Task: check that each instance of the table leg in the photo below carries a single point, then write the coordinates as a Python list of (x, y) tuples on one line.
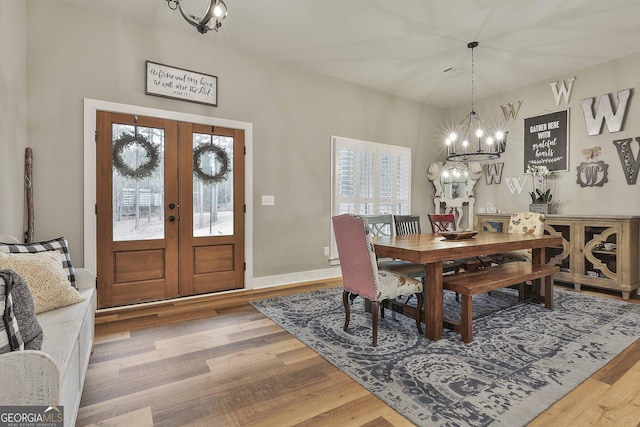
[(537, 260), (433, 301)]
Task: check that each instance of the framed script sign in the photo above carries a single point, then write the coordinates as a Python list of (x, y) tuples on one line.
[(178, 83), (546, 141)]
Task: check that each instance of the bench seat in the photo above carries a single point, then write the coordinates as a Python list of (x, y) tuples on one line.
[(488, 279)]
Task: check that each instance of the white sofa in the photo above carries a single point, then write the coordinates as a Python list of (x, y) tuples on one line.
[(55, 374)]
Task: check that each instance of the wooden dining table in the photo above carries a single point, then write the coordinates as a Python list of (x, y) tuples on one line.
[(431, 249)]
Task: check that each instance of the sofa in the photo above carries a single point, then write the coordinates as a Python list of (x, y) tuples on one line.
[(55, 374)]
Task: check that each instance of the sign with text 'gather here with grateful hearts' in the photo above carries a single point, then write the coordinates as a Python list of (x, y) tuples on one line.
[(178, 83), (546, 141)]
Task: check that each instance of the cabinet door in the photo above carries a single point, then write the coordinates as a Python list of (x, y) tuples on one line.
[(600, 260), (560, 255)]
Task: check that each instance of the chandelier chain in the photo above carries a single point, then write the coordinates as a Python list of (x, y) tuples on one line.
[(473, 86)]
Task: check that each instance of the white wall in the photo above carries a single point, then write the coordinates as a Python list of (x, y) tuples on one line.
[(616, 196), (75, 53), (13, 113)]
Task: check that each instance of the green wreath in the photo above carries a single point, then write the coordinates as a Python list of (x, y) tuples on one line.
[(147, 168), (223, 158)]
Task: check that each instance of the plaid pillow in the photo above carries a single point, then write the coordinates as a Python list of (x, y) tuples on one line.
[(10, 338), (59, 245)]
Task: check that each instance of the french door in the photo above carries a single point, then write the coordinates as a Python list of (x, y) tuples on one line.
[(170, 208)]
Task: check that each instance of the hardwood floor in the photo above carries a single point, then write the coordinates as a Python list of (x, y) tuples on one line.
[(216, 361)]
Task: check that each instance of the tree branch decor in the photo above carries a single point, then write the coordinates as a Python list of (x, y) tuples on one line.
[(222, 158), (146, 169)]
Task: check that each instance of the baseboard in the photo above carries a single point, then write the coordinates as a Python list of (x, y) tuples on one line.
[(298, 277)]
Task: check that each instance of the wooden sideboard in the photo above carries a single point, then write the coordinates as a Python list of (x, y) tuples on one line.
[(583, 258)]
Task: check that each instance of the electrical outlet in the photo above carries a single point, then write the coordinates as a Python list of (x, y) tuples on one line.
[(326, 251)]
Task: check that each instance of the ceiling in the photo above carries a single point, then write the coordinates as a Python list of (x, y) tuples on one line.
[(404, 46)]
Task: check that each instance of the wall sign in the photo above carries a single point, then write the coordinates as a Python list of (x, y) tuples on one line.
[(593, 172), (178, 83), (546, 141)]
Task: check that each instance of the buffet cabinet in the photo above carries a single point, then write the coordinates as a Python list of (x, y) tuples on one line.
[(596, 251)]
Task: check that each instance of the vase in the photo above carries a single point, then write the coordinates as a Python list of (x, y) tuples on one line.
[(542, 208)]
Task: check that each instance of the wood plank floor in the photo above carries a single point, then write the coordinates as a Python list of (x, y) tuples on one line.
[(216, 361)]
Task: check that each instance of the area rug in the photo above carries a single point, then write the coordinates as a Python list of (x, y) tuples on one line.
[(522, 359)]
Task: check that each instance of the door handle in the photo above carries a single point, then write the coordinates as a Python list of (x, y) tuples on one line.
[(172, 205), (172, 218)]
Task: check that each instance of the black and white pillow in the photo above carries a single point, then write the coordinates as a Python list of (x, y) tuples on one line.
[(21, 328), (59, 245), (10, 338)]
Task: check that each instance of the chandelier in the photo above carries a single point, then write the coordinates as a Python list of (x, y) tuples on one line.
[(214, 13), (470, 140)]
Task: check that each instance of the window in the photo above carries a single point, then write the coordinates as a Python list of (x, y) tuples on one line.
[(369, 178)]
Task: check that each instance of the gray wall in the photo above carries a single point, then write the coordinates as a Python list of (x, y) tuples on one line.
[(616, 196), (13, 115), (75, 53)]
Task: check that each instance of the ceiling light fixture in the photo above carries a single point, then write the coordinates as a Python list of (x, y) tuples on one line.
[(486, 146), (214, 13)]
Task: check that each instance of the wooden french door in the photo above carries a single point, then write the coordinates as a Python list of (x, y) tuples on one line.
[(170, 209)]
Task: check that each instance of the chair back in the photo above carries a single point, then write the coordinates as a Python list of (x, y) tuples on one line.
[(527, 223), (442, 222), (407, 224), (380, 225), (357, 255)]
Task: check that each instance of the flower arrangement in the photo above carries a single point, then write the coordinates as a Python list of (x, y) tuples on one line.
[(540, 194)]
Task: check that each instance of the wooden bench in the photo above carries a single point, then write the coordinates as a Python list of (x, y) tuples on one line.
[(488, 279)]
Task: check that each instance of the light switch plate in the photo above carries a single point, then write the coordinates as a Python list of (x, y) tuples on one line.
[(268, 200)]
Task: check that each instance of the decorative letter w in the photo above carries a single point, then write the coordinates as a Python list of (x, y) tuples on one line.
[(605, 112), (563, 91), (493, 172), (510, 111)]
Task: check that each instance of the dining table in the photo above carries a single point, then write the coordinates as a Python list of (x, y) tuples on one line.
[(432, 249)]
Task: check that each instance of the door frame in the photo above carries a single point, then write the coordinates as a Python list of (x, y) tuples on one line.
[(89, 192)]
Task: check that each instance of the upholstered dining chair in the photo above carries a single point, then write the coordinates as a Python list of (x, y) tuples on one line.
[(521, 223), (360, 273)]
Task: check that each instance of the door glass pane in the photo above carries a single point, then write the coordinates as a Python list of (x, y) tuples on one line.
[(138, 183), (212, 185)]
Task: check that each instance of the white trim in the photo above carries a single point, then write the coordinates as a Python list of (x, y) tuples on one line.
[(90, 227), (298, 277)]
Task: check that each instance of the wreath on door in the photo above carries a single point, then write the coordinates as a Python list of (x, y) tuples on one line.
[(145, 169), (221, 156)]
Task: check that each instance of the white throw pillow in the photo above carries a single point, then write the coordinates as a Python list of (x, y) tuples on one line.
[(45, 277)]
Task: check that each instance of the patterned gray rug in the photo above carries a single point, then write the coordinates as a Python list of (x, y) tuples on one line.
[(522, 359)]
